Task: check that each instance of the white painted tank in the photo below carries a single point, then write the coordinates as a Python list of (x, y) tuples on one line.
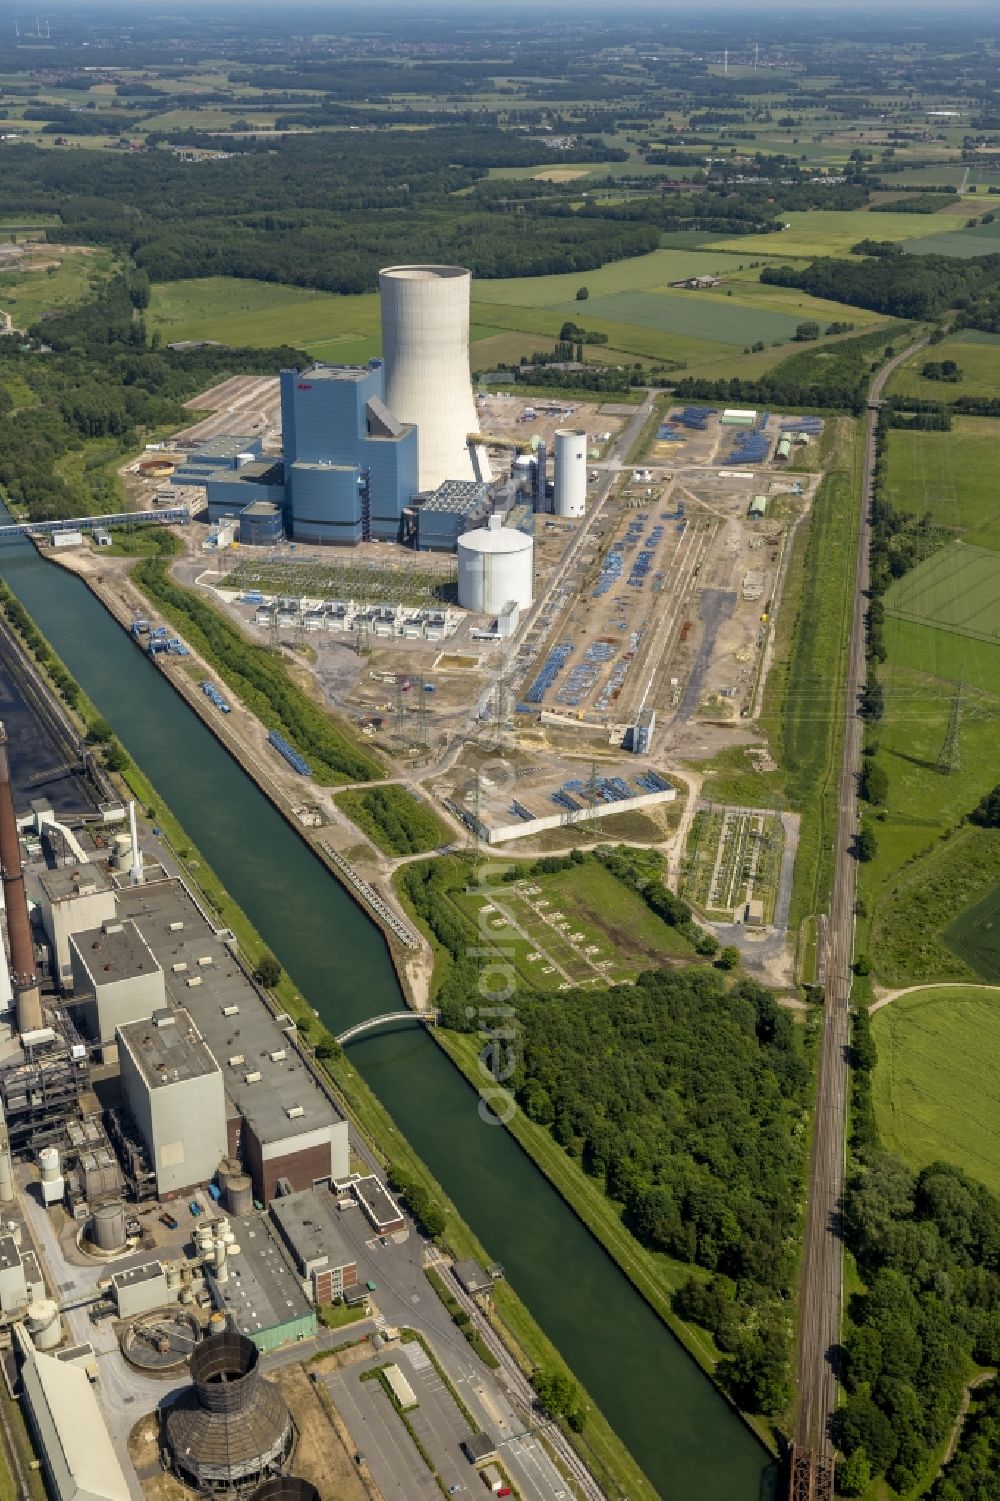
[(570, 471), (48, 1162), (496, 564), (52, 1184), (14, 1231), (44, 1324), (425, 349), (173, 1278)]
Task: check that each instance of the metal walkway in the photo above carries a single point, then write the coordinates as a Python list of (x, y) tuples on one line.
[(174, 515), (371, 898), (427, 1018)]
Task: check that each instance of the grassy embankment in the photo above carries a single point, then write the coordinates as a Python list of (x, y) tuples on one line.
[(599, 1445), (394, 821), (802, 714), (257, 675), (930, 869)]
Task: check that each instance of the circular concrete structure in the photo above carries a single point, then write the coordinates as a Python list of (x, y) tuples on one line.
[(232, 1428), (495, 565), (425, 352), (286, 1488), (570, 471)]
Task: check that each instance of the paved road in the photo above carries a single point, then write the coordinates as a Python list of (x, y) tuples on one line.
[(822, 1283)]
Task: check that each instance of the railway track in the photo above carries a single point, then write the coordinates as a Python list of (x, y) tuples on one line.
[(822, 1282)]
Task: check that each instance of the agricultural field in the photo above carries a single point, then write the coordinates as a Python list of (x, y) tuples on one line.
[(949, 476), (955, 589), (977, 355), (936, 1088), (630, 303), (975, 936), (984, 239), (574, 927), (831, 232), (733, 856)]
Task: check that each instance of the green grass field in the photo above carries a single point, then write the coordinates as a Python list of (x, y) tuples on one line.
[(583, 927), (936, 1088), (956, 589), (828, 232), (950, 476), (975, 936), (26, 294), (978, 356), (984, 239), (723, 320)]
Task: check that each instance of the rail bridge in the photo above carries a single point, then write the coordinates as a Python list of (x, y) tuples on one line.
[(811, 1475), (426, 1018)]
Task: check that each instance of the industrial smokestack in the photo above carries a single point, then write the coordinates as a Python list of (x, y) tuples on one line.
[(425, 347), (135, 874), (27, 996)]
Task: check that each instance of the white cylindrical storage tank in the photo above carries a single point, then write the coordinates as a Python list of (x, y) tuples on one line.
[(425, 350), (44, 1324), (570, 471), (51, 1171), (173, 1278), (495, 565), (14, 1231), (108, 1226)]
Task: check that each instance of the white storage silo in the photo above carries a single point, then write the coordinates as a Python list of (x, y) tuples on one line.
[(425, 349), (495, 565), (570, 471), (44, 1324), (52, 1180)]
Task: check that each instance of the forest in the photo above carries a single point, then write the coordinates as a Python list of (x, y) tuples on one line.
[(101, 378), (927, 1246), (684, 1095), (904, 286)]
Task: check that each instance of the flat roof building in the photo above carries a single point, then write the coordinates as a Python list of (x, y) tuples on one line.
[(261, 1293), (72, 899), (281, 1124), (114, 966), (77, 1454), (308, 1223), (139, 1289), (173, 1089)]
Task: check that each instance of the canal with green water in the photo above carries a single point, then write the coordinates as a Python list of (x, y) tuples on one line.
[(680, 1430)]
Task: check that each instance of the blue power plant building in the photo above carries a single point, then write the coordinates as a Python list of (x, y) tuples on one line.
[(350, 466)]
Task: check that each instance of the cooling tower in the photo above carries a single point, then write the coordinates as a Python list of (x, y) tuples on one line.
[(425, 349)]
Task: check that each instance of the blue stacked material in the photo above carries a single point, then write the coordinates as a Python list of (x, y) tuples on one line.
[(576, 785), (653, 782), (521, 812), (762, 421), (551, 667), (610, 573), (290, 754), (565, 801), (641, 568), (585, 674), (694, 417), (214, 696), (748, 448), (811, 425)]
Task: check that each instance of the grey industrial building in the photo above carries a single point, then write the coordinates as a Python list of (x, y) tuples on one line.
[(173, 1089), (117, 979), (72, 899), (456, 506), (139, 1289), (308, 1224), (280, 1123), (77, 1454), (260, 1290)]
